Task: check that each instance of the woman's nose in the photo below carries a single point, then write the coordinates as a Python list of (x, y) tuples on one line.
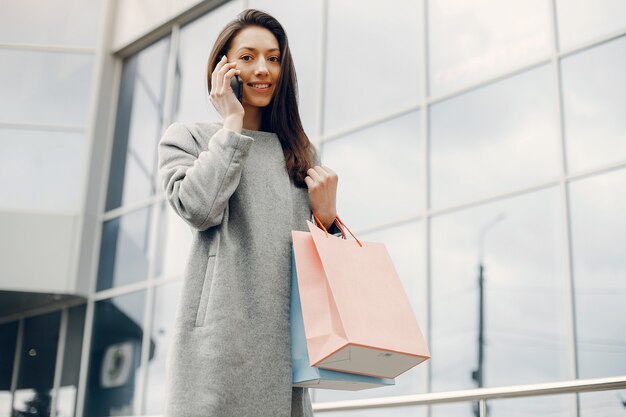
[(261, 68)]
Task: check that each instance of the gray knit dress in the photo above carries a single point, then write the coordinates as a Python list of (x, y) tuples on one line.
[(230, 353)]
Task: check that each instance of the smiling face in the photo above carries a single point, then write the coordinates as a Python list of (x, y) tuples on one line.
[(257, 54)]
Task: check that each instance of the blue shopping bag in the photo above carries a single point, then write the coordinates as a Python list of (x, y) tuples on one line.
[(304, 375)]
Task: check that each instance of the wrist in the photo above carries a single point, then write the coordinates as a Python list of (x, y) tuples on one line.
[(234, 123)]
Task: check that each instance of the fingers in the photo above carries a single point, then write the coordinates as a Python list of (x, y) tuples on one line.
[(320, 175), (218, 78), (218, 67)]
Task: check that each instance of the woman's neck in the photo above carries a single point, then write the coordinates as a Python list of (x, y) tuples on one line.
[(252, 117)]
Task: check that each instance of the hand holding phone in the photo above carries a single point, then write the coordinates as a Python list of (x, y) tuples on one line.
[(224, 78)]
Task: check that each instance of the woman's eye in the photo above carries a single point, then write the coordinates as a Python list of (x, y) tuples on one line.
[(275, 59), (243, 58)]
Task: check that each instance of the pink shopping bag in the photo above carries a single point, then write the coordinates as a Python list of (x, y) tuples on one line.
[(357, 316)]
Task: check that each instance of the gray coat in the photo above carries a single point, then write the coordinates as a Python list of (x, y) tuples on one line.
[(230, 353)]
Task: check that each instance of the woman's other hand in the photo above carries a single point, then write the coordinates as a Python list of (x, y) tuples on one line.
[(223, 97), (322, 184)]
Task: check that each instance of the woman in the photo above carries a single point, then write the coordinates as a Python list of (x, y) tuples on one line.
[(242, 185)]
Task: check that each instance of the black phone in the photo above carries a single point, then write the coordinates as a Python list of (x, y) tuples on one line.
[(236, 83)]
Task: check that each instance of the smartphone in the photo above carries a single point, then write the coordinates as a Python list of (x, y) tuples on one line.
[(236, 83)]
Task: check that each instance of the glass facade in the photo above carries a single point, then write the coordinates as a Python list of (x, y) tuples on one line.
[(482, 142)]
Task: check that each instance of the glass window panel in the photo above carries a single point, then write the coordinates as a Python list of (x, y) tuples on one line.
[(66, 399), (470, 41), (196, 42), (114, 363), (373, 61), (405, 245), (33, 395), (33, 85), (124, 249), (62, 22), (133, 173), (597, 208), (525, 299), (301, 19), (41, 170), (165, 303), (497, 138), (594, 102), (174, 243), (605, 404), (8, 340), (545, 406), (585, 20), (370, 177)]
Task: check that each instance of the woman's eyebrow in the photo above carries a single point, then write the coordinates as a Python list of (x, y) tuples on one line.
[(255, 50)]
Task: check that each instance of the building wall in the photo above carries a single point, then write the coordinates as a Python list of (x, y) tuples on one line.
[(466, 134)]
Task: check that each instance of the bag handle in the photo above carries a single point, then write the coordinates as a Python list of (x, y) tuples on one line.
[(339, 224)]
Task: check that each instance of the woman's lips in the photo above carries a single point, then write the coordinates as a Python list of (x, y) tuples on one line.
[(261, 90)]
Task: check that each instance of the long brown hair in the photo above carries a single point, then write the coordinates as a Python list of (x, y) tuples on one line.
[(281, 116)]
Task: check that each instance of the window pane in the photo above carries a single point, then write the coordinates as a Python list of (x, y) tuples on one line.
[(370, 177), (62, 22), (606, 404), (165, 302), (174, 243), (66, 400), (8, 340), (41, 170), (373, 62), (585, 20), (594, 102), (124, 249), (470, 41), (301, 19), (38, 359), (495, 139), (598, 205), (405, 246), (196, 42), (133, 173), (115, 356), (544, 406), (525, 308), (34, 83)]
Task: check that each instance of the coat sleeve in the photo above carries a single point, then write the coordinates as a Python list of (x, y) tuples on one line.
[(198, 183)]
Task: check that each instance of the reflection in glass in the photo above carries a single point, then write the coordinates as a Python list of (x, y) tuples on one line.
[(115, 356), (373, 61), (173, 243), (370, 176), (34, 83), (594, 102), (41, 170), (66, 399), (301, 19), (605, 403), (62, 22), (124, 249), (165, 302), (580, 21), (196, 42), (33, 395), (470, 41), (523, 259), (405, 246), (8, 341), (598, 205), (495, 139), (133, 172)]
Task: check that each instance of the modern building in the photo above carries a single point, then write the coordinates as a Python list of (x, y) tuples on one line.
[(475, 138)]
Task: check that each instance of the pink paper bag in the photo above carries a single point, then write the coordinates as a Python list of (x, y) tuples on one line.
[(357, 316)]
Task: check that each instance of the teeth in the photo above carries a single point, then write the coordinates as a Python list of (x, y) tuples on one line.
[(260, 85)]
